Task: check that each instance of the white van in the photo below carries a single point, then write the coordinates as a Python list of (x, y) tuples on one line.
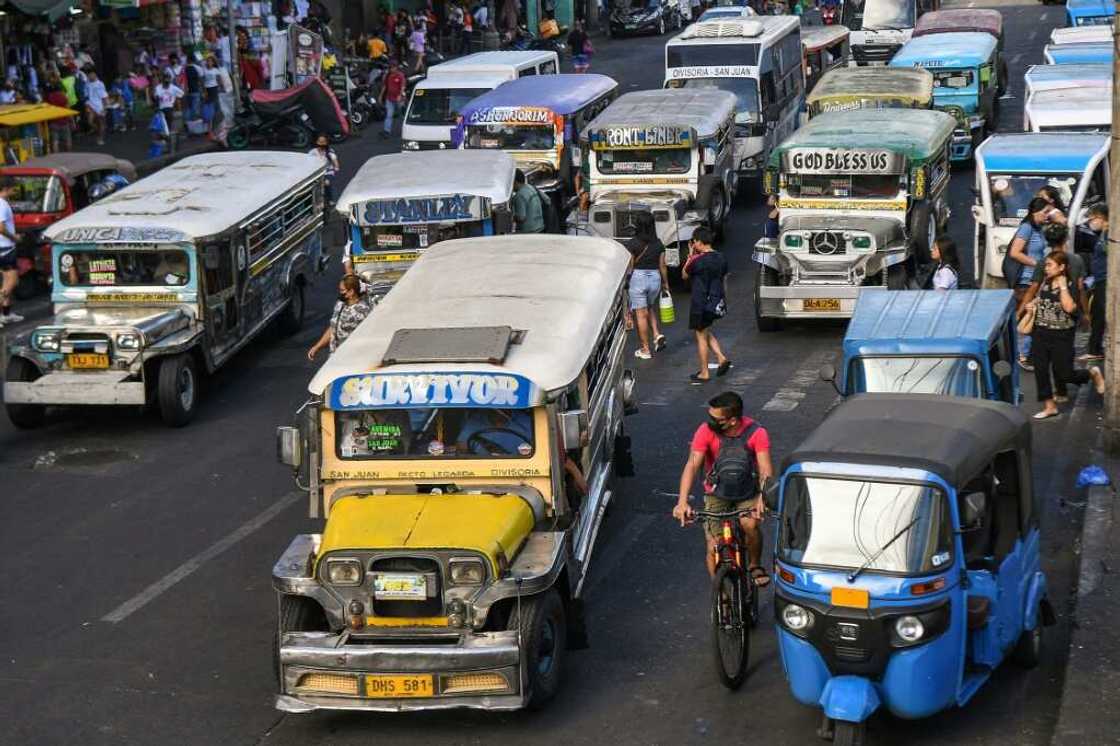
[(437, 99)]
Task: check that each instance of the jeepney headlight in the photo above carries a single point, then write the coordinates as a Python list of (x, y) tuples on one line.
[(861, 242), (909, 628), (344, 572), (46, 341), (797, 618), (128, 341), (466, 572), (411, 145), (793, 240)]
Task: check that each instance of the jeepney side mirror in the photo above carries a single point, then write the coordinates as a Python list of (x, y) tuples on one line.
[(828, 373), (979, 215), (1001, 369), (289, 446), (573, 426), (973, 508)]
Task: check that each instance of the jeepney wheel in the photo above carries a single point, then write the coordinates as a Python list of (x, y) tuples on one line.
[(24, 416), (291, 318), (767, 276), (923, 231), (848, 733), (543, 637), (295, 614), (1028, 650), (177, 390), (717, 212)]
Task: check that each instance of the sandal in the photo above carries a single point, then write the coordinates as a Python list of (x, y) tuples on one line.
[(1044, 415), (659, 343), (759, 576), (723, 368), (696, 380)]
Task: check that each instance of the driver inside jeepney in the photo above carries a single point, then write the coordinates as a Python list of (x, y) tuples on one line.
[(109, 265), (452, 432)]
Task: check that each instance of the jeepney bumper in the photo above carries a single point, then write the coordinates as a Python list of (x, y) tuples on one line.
[(808, 301), (112, 387), (324, 671), (960, 147)]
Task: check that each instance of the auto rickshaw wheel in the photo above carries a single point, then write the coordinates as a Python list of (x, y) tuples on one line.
[(24, 416), (295, 614), (177, 389), (541, 621), (847, 733), (1028, 650)]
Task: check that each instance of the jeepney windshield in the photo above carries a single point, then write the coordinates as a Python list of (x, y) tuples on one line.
[(953, 79), (1011, 193), (745, 90), (879, 14), (440, 105), (432, 432), (416, 236), (644, 161), (846, 186), (107, 265), (950, 376), (843, 523), (36, 194), (711, 55), (511, 137)]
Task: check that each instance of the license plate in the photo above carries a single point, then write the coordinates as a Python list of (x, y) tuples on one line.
[(821, 304), (853, 598), (386, 687), (400, 587), (87, 360)]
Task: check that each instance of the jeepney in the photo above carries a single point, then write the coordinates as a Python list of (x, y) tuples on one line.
[(400, 204), (1090, 13), (168, 278), (1088, 76), (538, 121), (1084, 109), (1012, 167), (851, 88), (862, 197), (981, 20), (668, 152), (439, 443), (759, 60), (823, 48), (1078, 53), (1076, 34), (965, 69)]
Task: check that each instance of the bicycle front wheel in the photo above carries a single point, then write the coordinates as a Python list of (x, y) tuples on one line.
[(730, 634)]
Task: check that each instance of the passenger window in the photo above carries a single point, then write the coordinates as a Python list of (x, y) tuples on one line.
[(548, 68), (218, 264), (998, 352), (526, 72)]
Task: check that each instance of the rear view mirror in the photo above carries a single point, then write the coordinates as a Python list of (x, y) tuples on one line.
[(289, 446), (979, 215), (1001, 369), (973, 508), (827, 373), (573, 428)]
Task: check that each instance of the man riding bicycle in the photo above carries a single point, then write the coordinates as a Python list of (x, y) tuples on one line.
[(734, 452)]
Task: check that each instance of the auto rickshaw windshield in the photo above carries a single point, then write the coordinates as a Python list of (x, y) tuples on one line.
[(37, 194), (431, 432), (1011, 193), (950, 376), (844, 523)]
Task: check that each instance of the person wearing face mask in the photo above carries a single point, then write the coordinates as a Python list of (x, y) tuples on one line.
[(1098, 271), (351, 309), (737, 437), (1026, 251), (325, 153)]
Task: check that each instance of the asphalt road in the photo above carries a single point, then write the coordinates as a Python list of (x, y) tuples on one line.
[(137, 606)]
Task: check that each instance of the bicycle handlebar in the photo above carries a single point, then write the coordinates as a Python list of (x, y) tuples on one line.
[(729, 514)]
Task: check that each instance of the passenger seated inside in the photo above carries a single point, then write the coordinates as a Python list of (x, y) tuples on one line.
[(495, 432)]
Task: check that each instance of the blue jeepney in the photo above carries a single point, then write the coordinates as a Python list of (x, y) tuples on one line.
[(965, 68), (537, 120), (1012, 167), (1078, 53), (931, 342), (1089, 12)]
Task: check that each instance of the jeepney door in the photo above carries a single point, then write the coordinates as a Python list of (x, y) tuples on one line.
[(223, 314)]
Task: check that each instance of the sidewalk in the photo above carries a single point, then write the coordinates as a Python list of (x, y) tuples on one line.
[(1090, 707)]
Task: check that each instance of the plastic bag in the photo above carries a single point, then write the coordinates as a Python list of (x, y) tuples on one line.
[(1093, 476)]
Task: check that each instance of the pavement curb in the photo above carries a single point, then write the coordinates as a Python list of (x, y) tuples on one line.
[(1091, 691)]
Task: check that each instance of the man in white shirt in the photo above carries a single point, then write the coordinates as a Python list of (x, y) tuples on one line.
[(167, 98), (9, 275), (96, 98)]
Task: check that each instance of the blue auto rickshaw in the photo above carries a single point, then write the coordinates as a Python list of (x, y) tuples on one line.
[(1089, 12), (907, 558), (1079, 53), (959, 343)]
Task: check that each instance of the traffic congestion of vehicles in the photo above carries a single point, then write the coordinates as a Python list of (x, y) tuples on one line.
[(458, 457)]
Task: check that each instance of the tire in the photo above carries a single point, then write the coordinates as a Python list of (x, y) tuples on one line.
[(177, 390), (24, 416), (1028, 650), (848, 733), (766, 324), (291, 318), (896, 277), (923, 230), (541, 621), (295, 614), (357, 118), (717, 212), (295, 136), (731, 637), (238, 138)]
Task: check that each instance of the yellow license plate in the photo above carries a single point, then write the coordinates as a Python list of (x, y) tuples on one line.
[(393, 687), (821, 304), (853, 598), (87, 360)]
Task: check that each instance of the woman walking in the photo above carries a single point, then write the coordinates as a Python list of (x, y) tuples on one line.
[(649, 275), (708, 270), (1054, 323)]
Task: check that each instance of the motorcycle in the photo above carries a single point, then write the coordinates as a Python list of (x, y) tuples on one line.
[(523, 40), (291, 127)]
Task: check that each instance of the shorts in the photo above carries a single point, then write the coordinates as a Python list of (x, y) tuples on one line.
[(8, 261), (719, 505), (700, 320), (645, 287)]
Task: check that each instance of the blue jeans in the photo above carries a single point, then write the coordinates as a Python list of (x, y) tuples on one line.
[(194, 106), (390, 109), (1024, 339)]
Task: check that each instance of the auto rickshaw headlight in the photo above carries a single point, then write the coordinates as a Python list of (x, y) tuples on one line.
[(344, 572), (909, 628), (797, 618), (466, 572)]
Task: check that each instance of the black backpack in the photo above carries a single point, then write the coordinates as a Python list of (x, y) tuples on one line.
[(734, 473)]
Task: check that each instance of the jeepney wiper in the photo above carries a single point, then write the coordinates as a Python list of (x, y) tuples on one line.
[(871, 560)]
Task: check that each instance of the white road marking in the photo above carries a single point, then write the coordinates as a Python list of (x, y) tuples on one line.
[(1031, 36), (184, 570), (787, 398), (1015, 59)]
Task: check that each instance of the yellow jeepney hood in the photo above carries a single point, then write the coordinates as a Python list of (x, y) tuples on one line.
[(491, 524)]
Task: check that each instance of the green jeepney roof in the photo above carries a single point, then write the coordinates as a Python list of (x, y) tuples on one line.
[(916, 134), (850, 88)]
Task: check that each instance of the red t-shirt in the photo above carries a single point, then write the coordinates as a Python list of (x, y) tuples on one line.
[(394, 85), (705, 441)]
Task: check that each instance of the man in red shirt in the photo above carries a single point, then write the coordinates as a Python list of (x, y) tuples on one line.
[(726, 420), (392, 96)]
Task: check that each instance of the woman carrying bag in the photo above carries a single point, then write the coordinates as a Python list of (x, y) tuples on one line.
[(648, 276)]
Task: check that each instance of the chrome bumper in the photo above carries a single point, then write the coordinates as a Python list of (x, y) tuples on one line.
[(72, 387), (303, 653), (788, 301)]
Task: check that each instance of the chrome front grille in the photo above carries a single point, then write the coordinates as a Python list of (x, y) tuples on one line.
[(874, 52), (827, 243)]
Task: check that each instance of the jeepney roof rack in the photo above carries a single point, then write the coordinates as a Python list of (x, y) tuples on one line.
[(470, 344)]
